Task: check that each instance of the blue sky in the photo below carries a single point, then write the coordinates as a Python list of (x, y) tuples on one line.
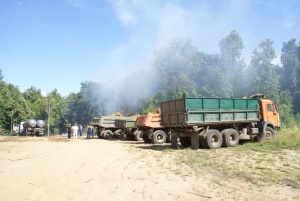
[(60, 43)]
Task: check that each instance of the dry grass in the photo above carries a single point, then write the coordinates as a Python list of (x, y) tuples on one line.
[(270, 162)]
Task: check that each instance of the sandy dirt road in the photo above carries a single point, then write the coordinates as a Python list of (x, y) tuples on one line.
[(56, 168)]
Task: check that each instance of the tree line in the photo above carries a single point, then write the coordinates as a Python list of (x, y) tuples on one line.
[(177, 68)]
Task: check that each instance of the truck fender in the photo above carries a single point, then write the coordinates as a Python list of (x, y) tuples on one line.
[(117, 131), (150, 133), (262, 125)]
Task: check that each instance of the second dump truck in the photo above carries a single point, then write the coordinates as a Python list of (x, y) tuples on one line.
[(106, 127), (215, 122), (152, 130), (129, 129)]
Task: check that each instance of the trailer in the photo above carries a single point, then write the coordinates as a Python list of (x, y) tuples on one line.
[(106, 127), (129, 129), (215, 122), (153, 131)]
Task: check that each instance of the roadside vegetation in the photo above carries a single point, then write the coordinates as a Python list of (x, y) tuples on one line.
[(276, 161)]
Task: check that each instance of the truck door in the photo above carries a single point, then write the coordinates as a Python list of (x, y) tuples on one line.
[(271, 114)]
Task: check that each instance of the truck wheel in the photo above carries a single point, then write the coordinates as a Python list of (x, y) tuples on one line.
[(202, 143), (138, 135), (98, 134), (230, 138), (269, 134), (119, 134), (159, 137), (168, 137), (146, 139), (129, 137), (107, 134), (213, 139), (223, 133), (185, 141)]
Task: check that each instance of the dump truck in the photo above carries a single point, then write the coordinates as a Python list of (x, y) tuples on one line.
[(128, 127), (151, 129), (215, 122), (106, 128), (32, 127)]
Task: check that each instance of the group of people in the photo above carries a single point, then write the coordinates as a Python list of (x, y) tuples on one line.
[(73, 130)]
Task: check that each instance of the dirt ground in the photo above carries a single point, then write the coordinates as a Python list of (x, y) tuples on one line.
[(56, 168)]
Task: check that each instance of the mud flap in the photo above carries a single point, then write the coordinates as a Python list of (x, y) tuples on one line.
[(174, 140), (194, 141), (261, 128)]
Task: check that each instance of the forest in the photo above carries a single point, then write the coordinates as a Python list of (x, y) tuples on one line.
[(177, 68)]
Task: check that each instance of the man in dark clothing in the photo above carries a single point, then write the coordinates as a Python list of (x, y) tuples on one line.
[(89, 132), (69, 131)]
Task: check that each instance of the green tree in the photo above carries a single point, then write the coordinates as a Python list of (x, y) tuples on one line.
[(13, 106), (232, 65), (36, 102), (290, 59), (90, 102), (176, 66), (264, 77), (1, 76), (55, 103), (286, 109), (209, 76)]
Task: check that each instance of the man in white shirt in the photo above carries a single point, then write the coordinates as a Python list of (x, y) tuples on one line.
[(75, 131)]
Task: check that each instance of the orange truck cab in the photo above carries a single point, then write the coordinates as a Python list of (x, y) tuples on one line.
[(269, 116)]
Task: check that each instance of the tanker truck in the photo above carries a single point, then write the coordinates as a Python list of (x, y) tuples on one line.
[(32, 127), (214, 122)]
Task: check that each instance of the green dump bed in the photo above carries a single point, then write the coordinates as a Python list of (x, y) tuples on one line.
[(191, 111), (126, 123), (107, 121)]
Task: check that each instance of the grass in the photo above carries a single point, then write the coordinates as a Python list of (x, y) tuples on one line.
[(276, 161)]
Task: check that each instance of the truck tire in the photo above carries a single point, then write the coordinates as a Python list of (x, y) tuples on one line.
[(138, 135), (119, 134), (107, 134), (213, 139), (168, 137), (129, 137), (223, 133), (203, 143), (230, 138), (98, 134), (146, 139), (185, 141), (268, 134), (159, 137)]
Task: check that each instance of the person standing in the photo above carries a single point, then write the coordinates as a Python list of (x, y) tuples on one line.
[(80, 130), (89, 131), (75, 131), (69, 129)]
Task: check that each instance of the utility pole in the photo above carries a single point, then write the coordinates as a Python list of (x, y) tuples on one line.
[(11, 122), (48, 117)]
